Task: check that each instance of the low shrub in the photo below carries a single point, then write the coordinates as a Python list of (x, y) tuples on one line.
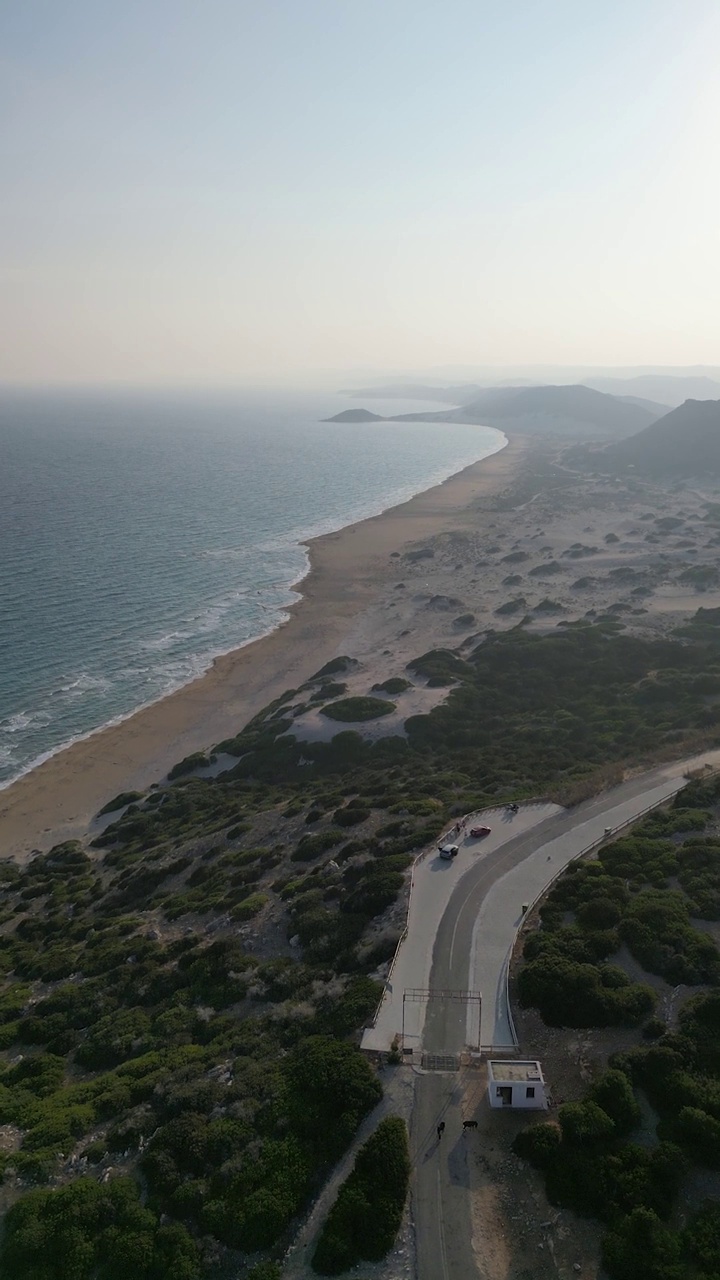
[(350, 817), (569, 994), (701, 1238), (640, 1245), (84, 1230), (354, 710), (511, 607), (538, 1144), (335, 689), (335, 666), (249, 907), (310, 847), (119, 802), (395, 684), (366, 1216), (198, 760)]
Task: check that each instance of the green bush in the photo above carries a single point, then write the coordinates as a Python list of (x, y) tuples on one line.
[(334, 667), (510, 607), (119, 802), (613, 1092), (701, 1239), (654, 1028), (367, 1214), (249, 907), (84, 1230), (538, 1144), (350, 817), (310, 847), (353, 710), (396, 684), (335, 689), (568, 994), (640, 1247), (265, 1271), (440, 667), (699, 1134), (198, 760), (584, 1123)]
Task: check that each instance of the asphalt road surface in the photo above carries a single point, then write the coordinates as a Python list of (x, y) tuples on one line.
[(435, 883), (441, 1183)]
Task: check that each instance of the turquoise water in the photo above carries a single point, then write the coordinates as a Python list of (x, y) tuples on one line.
[(143, 535)]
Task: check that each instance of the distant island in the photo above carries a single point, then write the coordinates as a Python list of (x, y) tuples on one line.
[(355, 415)]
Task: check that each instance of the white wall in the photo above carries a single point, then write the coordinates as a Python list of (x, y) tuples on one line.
[(520, 1100)]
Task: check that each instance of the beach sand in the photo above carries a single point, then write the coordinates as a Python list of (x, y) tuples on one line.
[(349, 572), (516, 537)]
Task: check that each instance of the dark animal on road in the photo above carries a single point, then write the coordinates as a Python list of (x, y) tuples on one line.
[(470, 1124), (440, 1129)]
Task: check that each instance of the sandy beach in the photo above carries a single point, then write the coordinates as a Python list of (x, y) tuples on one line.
[(349, 571), (516, 537)]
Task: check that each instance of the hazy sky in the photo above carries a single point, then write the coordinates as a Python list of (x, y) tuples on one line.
[(215, 190)]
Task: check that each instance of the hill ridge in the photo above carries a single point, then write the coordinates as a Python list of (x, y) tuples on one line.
[(685, 442)]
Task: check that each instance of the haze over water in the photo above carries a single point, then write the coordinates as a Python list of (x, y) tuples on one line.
[(143, 535)]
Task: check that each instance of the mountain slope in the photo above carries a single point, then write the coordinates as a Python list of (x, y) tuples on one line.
[(686, 442), (653, 405), (669, 389), (564, 409)]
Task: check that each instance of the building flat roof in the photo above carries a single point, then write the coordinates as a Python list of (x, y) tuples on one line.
[(511, 1071)]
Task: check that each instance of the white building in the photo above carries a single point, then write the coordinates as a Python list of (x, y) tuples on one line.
[(516, 1084)]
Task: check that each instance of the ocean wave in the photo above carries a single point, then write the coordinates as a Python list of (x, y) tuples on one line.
[(160, 644), (174, 676), (168, 632), (223, 553), (83, 683), (22, 720)]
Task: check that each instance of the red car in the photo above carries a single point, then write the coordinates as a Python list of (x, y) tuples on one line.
[(476, 832)]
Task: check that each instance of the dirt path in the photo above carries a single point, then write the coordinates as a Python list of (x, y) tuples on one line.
[(399, 1086)]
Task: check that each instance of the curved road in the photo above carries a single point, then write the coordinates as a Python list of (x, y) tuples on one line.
[(470, 951)]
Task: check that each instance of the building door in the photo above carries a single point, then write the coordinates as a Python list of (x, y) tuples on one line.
[(505, 1092)]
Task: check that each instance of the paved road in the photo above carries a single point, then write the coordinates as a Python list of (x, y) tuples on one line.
[(471, 946), (435, 882)]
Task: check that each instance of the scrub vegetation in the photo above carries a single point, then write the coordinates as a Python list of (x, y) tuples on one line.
[(180, 1001), (366, 1216), (357, 709), (643, 892)]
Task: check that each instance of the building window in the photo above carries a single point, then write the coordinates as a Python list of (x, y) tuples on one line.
[(530, 1091)]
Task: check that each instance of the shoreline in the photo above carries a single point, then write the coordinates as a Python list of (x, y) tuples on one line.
[(57, 799), (279, 613)]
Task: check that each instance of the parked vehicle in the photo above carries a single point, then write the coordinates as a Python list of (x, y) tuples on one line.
[(448, 851), (477, 832)]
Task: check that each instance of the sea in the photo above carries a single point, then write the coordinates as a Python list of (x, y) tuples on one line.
[(144, 534)]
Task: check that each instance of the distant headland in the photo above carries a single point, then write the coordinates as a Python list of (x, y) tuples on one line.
[(565, 410), (356, 415)]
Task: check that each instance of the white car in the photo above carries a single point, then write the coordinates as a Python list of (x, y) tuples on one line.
[(448, 851)]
